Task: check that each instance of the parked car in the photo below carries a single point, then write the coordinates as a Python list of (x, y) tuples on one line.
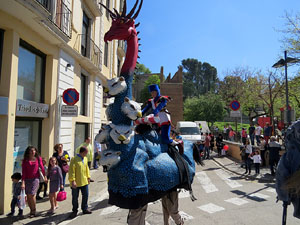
[(188, 130)]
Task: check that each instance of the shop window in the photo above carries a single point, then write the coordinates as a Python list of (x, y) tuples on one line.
[(31, 73), (83, 95), (81, 132), (1, 48), (106, 54), (27, 132)]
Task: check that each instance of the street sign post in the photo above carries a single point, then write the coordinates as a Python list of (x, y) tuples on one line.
[(70, 96), (235, 105), (69, 110)]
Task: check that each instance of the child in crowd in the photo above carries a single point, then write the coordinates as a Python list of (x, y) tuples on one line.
[(45, 184), (16, 179), (257, 161), (56, 182)]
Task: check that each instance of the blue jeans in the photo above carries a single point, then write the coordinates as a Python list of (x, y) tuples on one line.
[(96, 160), (13, 204), (257, 139), (206, 153), (64, 180), (252, 139), (75, 195)]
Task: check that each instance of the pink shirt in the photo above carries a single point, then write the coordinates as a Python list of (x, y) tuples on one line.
[(30, 169)]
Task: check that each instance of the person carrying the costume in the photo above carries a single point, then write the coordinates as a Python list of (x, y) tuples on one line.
[(159, 114)]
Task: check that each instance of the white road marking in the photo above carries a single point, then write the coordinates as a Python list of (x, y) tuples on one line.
[(184, 194), (206, 183), (211, 208), (237, 201), (258, 195), (109, 210), (225, 176), (272, 190), (185, 216)]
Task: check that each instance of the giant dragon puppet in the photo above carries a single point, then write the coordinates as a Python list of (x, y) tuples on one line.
[(141, 168)]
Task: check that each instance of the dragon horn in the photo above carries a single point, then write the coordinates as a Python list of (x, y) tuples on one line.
[(111, 13), (137, 13), (132, 10), (124, 9), (117, 13)]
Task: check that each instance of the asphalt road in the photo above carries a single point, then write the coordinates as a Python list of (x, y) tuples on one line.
[(223, 199)]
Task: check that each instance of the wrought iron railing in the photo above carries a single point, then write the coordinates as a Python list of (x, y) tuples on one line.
[(62, 18), (87, 47)]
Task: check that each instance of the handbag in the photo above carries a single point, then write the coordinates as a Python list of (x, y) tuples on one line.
[(61, 196), (65, 167), (42, 178)]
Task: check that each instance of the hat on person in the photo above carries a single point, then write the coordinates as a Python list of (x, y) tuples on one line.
[(154, 87)]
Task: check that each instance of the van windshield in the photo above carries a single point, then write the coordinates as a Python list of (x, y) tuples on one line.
[(189, 131)]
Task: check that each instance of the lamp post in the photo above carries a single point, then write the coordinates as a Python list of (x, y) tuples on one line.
[(281, 63)]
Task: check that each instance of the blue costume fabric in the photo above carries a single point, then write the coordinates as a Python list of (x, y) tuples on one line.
[(146, 170), (288, 165)]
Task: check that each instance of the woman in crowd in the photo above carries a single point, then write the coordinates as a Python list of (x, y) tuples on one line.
[(62, 158), (31, 176), (248, 154)]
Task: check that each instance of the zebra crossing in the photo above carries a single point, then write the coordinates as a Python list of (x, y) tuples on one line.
[(204, 180)]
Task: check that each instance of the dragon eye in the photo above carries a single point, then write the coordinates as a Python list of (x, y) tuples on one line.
[(117, 132), (114, 84), (127, 132), (131, 106)]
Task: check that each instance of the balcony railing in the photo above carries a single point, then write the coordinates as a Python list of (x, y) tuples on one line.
[(87, 48), (62, 18), (60, 14)]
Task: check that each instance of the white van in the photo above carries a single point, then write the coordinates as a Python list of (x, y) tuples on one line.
[(188, 130)]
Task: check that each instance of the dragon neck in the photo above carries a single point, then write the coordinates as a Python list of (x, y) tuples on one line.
[(131, 56)]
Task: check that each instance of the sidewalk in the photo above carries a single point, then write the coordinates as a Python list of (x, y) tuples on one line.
[(233, 165), (97, 194)]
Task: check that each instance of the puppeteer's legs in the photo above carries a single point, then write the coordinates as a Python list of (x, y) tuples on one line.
[(137, 216), (170, 208)]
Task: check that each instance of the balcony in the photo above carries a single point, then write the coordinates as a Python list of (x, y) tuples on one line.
[(60, 14), (85, 46)]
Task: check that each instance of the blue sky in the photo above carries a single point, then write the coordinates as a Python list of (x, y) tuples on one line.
[(225, 33)]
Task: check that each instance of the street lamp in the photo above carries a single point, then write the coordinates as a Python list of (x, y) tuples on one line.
[(281, 63)]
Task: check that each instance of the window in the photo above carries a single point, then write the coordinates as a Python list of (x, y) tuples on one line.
[(31, 73), (106, 54), (85, 35), (81, 132), (27, 132), (108, 6), (82, 96), (1, 48)]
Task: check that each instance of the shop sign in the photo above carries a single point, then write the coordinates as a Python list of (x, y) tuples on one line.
[(69, 110), (31, 109)]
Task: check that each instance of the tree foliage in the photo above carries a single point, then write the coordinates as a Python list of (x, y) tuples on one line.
[(145, 94), (198, 78), (141, 69), (208, 107)]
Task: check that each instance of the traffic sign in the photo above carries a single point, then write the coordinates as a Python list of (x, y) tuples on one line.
[(69, 110), (235, 114), (235, 105), (70, 96)]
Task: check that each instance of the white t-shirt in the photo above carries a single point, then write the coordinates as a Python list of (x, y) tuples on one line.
[(258, 131), (256, 159), (248, 149)]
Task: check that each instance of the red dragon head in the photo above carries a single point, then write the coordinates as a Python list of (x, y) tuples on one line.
[(123, 26)]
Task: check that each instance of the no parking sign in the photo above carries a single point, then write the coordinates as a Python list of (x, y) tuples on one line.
[(235, 105), (70, 96)]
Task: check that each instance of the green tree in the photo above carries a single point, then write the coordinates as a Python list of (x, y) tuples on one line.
[(208, 107), (141, 69), (291, 39), (145, 94), (198, 78)]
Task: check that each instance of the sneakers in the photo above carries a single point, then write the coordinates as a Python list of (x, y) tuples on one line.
[(87, 211), (73, 215)]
